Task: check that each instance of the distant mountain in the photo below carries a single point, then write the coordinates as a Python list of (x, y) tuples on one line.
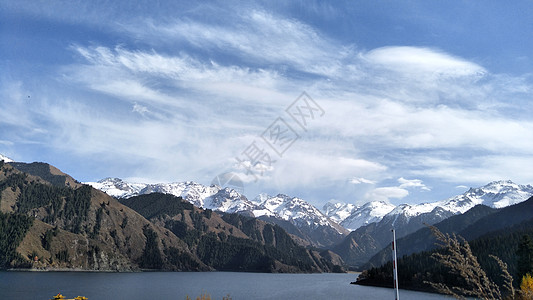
[(472, 224), (295, 215), (315, 227), (489, 232), (352, 217), (338, 211), (496, 194), (5, 158), (366, 241), (423, 239), (363, 243)]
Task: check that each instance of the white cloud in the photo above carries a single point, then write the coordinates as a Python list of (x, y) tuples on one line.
[(360, 180), (423, 62), (406, 183), (256, 35), (386, 193), (201, 91), (140, 109)]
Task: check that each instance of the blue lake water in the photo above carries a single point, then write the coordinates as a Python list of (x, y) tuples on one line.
[(175, 285)]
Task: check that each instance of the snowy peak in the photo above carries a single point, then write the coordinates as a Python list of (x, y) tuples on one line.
[(190, 191), (496, 194), (338, 211), (352, 217), (292, 209), (6, 159), (229, 201), (116, 187)]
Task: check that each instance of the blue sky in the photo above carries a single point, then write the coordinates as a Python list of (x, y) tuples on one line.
[(409, 101)]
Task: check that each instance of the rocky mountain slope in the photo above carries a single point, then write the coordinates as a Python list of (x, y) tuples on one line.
[(472, 224), (366, 241), (293, 214), (66, 225), (78, 227), (230, 241), (505, 233)]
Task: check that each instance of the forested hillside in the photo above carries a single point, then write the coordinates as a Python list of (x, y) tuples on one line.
[(424, 240), (509, 244), (66, 225), (230, 242)]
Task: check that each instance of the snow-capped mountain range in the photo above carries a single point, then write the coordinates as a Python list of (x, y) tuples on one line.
[(496, 194), (292, 209), (352, 217)]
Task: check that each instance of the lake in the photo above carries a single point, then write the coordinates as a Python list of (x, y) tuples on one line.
[(176, 285)]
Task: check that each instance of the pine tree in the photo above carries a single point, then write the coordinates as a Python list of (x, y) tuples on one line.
[(525, 256)]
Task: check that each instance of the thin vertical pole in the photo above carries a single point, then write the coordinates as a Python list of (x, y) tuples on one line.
[(395, 265)]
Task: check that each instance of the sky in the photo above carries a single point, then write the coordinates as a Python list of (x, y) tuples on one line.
[(352, 101)]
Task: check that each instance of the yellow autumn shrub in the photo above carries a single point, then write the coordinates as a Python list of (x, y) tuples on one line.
[(527, 286)]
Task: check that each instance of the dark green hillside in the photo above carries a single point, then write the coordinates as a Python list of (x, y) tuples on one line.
[(414, 269), (13, 228), (41, 170), (157, 205), (231, 242), (503, 218), (76, 226), (423, 239)]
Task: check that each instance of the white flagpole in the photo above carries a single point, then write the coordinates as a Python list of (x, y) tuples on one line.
[(395, 265)]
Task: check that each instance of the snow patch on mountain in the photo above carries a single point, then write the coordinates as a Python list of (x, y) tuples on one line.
[(352, 217), (338, 211), (496, 194), (6, 159), (292, 209)]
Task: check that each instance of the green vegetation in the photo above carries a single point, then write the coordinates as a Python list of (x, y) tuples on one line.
[(265, 246), (511, 245), (63, 256), (457, 257), (58, 202), (157, 205), (77, 204), (46, 239), (13, 228), (97, 223), (151, 257), (182, 259), (41, 170), (525, 256)]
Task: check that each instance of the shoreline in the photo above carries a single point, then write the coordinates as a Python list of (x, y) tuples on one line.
[(76, 270), (66, 270), (390, 286)]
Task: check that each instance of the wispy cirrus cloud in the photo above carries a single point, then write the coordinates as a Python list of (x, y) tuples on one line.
[(182, 96)]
